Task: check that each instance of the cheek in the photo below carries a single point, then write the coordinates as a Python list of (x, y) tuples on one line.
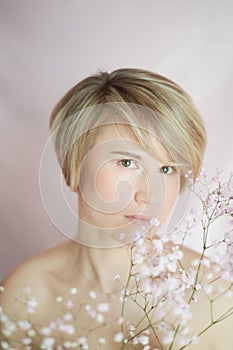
[(106, 182), (171, 195)]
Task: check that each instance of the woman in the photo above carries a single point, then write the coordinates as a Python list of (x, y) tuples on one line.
[(125, 142)]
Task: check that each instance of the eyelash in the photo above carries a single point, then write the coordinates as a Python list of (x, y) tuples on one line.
[(167, 166), (125, 160)]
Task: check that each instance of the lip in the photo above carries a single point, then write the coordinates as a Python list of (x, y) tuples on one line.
[(139, 219)]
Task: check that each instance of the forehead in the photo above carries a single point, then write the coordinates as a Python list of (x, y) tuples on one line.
[(122, 135)]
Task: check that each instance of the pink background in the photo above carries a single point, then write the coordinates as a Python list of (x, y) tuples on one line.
[(48, 46)]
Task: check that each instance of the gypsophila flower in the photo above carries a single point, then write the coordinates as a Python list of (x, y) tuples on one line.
[(10, 327), (69, 304), (99, 317), (31, 333), (82, 341), (118, 337), (102, 340), (146, 347), (73, 291), (103, 307), (68, 317), (27, 290), (92, 294), (167, 339), (31, 305), (26, 341), (45, 331), (120, 320), (59, 299), (24, 325), (143, 339), (122, 235), (116, 277), (4, 345), (47, 343), (67, 328)]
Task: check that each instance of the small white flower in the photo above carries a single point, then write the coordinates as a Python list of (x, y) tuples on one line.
[(198, 287), (59, 299), (31, 333), (10, 327), (68, 317), (24, 325), (118, 337), (45, 331), (208, 289), (102, 340), (103, 307), (122, 235), (195, 262), (116, 277), (82, 340), (73, 291), (168, 338), (138, 258), (154, 221), (146, 347), (221, 288), (67, 344), (120, 320), (26, 341), (140, 242), (47, 343), (99, 318), (4, 318), (157, 246), (31, 303), (1, 289), (195, 339), (143, 339), (67, 328), (4, 345), (27, 290), (92, 294)]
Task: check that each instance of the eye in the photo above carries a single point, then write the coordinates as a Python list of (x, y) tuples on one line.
[(166, 169), (128, 163)]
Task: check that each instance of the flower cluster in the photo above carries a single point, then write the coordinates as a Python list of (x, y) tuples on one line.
[(160, 286)]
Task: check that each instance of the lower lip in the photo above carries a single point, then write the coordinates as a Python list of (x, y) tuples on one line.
[(138, 221)]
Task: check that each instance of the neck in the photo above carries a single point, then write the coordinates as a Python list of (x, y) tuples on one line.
[(99, 266)]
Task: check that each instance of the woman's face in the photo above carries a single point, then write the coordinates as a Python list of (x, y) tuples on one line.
[(123, 187)]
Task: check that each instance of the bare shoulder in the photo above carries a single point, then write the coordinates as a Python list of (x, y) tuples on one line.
[(35, 278)]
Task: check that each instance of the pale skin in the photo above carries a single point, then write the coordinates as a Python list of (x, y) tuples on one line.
[(92, 268)]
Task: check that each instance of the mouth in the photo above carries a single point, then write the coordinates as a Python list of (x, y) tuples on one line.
[(139, 219)]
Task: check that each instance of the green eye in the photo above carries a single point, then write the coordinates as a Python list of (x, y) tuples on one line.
[(166, 169), (128, 163)]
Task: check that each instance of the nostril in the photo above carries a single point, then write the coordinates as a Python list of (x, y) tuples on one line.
[(141, 197)]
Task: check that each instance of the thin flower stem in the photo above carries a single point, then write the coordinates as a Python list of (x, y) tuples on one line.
[(211, 311), (174, 337), (124, 296), (151, 325)]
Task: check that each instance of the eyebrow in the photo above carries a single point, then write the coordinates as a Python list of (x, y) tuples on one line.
[(128, 154)]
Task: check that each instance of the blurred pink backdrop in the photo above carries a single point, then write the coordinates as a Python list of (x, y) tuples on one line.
[(48, 46)]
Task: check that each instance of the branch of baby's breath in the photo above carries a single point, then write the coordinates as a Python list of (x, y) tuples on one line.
[(125, 295)]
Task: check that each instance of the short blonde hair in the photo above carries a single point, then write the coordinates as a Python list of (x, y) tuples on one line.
[(176, 120)]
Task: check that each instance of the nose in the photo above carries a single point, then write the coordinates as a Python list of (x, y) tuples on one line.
[(141, 189), (148, 190), (141, 197)]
